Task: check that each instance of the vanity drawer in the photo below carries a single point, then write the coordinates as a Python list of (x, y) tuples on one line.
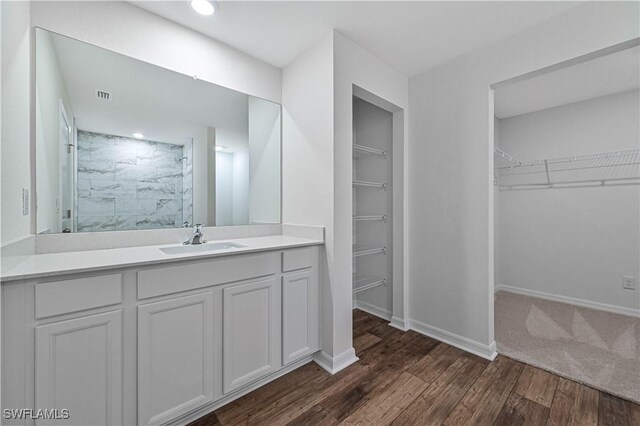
[(296, 259), (191, 276), (64, 297)]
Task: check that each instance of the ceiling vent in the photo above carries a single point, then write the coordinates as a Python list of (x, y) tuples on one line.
[(103, 95)]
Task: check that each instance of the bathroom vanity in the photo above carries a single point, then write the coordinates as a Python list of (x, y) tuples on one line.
[(103, 317), (137, 336)]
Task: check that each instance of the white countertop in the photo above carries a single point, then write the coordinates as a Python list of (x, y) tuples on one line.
[(52, 264)]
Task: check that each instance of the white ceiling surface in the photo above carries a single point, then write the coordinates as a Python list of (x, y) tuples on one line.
[(412, 37), (607, 75), (163, 105)]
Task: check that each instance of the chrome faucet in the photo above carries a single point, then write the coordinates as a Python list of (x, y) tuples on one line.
[(198, 236)]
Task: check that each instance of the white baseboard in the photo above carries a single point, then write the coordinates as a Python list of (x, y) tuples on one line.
[(372, 309), (569, 300), (399, 323), (484, 351), (337, 363)]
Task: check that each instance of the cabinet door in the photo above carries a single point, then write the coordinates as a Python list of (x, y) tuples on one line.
[(250, 332), (175, 357), (299, 316), (79, 368)]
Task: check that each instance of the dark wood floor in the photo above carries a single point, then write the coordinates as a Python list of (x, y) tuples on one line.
[(410, 379)]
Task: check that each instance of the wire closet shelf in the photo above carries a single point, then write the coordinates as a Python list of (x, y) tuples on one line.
[(361, 284), (601, 169)]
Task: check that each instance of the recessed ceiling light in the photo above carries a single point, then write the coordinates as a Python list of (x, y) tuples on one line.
[(219, 148), (138, 135), (203, 7)]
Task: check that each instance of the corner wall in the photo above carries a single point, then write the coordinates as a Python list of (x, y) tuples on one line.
[(356, 69), (317, 168), (307, 165), (451, 163)]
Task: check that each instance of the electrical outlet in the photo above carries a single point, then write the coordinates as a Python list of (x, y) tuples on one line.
[(629, 283)]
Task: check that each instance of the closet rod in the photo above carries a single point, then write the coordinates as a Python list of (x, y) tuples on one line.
[(367, 283), (573, 184), (371, 218), (382, 250), (365, 183), (369, 150)]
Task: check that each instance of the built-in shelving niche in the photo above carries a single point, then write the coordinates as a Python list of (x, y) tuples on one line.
[(372, 207)]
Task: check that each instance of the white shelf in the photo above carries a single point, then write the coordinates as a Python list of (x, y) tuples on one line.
[(368, 150), (364, 183), (605, 168), (367, 252), (366, 283), (370, 218)]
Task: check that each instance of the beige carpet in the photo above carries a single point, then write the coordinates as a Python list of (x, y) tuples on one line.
[(599, 349)]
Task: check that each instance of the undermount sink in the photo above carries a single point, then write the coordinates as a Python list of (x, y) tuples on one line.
[(195, 248)]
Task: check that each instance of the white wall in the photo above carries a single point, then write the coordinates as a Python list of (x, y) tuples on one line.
[(317, 171), (451, 162), (240, 187), (264, 161), (224, 189), (15, 144), (307, 162), (203, 142), (232, 188), (573, 242), (50, 89)]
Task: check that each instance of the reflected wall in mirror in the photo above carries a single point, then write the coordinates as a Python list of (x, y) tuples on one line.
[(123, 145)]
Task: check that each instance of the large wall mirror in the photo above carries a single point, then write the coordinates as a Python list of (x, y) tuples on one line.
[(123, 145)]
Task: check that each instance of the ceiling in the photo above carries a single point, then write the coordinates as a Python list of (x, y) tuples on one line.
[(163, 105), (606, 75), (410, 36)]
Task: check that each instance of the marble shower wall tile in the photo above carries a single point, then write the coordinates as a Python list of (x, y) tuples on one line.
[(96, 206), (154, 222), (84, 188), (89, 169), (112, 189), (156, 190), (96, 223), (126, 223), (135, 173), (135, 206), (128, 183)]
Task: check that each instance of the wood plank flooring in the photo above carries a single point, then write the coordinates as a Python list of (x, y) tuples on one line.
[(410, 379)]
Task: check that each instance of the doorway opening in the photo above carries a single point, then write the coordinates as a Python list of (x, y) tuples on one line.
[(566, 228)]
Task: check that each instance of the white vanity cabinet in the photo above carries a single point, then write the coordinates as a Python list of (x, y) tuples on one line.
[(79, 368), (175, 357), (251, 332), (299, 305), (159, 344)]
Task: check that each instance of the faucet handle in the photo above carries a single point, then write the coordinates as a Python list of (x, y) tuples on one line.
[(197, 228)]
